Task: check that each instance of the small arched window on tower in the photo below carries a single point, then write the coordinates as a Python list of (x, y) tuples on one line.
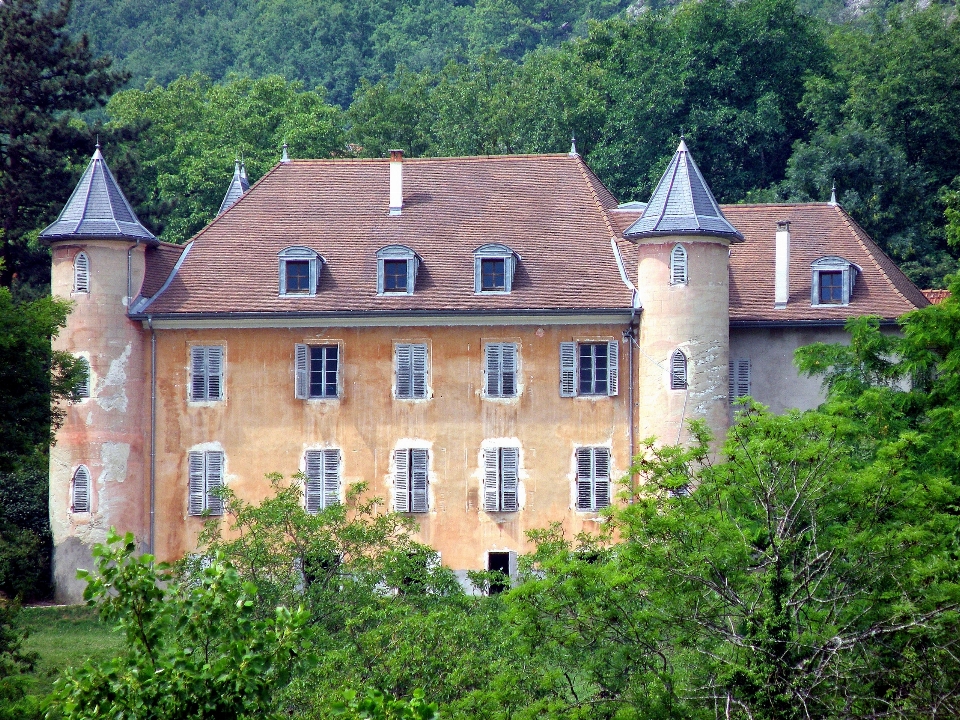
[(80, 491), (81, 273), (678, 265), (678, 370)]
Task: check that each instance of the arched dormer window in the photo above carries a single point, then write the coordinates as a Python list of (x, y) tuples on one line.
[(678, 265), (833, 280), (396, 270), (493, 268), (81, 273), (80, 491), (299, 271), (82, 390), (678, 370)]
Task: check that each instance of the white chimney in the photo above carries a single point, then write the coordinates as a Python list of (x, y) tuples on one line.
[(781, 293), (396, 181)]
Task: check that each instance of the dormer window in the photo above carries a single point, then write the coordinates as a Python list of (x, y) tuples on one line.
[(397, 270), (494, 266), (299, 271), (833, 281)]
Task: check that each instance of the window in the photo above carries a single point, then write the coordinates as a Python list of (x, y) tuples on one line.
[(206, 373), (501, 468), (503, 562), (831, 287), (589, 368), (678, 370), (833, 281), (678, 265), (494, 267), (501, 370), (322, 488), (397, 267), (82, 390), (317, 371), (206, 475), (81, 273), (299, 271), (410, 480), (739, 378), (411, 364), (593, 478), (80, 491)]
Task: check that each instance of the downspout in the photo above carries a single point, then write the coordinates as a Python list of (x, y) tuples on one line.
[(630, 335), (153, 431)]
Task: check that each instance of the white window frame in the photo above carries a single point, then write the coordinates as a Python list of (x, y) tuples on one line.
[(679, 370), (205, 471), (570, 368), (397, 253), (322, 470), (300, 254), (411, 363), (494, 251), (739, 378), (303, 371), (678, 265), (411, 480), (501, 479), (501, 369), (80, 490), (593, 489), (207, 364), (82, 391), (81, 274), (833, 263)]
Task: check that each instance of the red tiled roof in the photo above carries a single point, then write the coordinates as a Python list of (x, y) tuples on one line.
[(161, 259), (936, 296)]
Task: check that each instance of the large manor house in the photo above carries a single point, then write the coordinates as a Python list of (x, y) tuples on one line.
[(483, 341)]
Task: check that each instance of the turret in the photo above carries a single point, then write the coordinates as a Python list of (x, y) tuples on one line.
[(683, 242), (238, 186), (97, 464)]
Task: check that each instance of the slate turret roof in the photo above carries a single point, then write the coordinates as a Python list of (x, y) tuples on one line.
[(97, 209), (682, 204), (238, 186)]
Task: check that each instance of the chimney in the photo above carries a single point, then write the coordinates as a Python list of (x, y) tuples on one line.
[(781, 292), (396, 181)]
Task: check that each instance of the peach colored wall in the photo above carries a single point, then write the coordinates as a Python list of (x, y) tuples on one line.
[(262, 428)]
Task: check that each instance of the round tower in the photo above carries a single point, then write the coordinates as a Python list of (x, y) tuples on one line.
[(683, 242), (97, 464)]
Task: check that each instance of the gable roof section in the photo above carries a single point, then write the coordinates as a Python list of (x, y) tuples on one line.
[(550, 209)]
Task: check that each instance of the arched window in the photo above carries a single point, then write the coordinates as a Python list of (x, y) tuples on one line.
[(678, 371), (81, 273), (80, 491), (494, 268), (83, 387), (299, 271), (678, 265)]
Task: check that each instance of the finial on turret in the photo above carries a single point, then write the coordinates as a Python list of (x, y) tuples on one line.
[(833, 193), (573, 145), (284, 158)]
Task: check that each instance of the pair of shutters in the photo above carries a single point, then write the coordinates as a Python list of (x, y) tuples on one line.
[(593, 478), (501, 369), (410, 482), (80, 490), (323, 479), (501, 469), (739, 378), (81, 273), (206, 373), (206, 475), (411, 364), (569, 369)]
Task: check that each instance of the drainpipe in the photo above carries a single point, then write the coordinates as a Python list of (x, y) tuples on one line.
[(630, 335), (153, 431)]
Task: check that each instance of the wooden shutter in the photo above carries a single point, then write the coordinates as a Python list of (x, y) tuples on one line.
[(214, 473), (313, 490), (418, 480), (678, 265), (491, 479), (401, 481), (301, 366), (81, 490), (601, 477), (404, 361), (214, 373), (568, 369), (509, 479), (494, 362), (743, 377), (584, 479), (331, 477), (678, 370), (198, 373), (419, 372), (731, 381), (196, 483), (613, 367), (81, 273), (508, 370)]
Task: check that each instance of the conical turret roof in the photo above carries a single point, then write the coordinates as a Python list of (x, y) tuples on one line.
[(682, 204), (97, 208), (238, 186)]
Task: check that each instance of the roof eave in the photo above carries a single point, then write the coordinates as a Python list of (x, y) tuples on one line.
[(731, 236)]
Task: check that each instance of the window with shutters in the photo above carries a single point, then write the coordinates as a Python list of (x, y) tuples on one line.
[(678, 370), (82, 389), (81, 273), (593, 478), (206, 373), (317, 369), (739, 378), (589, 368), (299, 271), (494, 266), (410, 480), (500, 363), (205, 477), (410, 361), (678, 265), (501, 479), (397, 267), (80, 491), (322, 486), (833, 281)]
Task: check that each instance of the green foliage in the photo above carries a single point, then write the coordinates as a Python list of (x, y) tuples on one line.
[(374, 705)]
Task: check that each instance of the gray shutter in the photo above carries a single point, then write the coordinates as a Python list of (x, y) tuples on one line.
[(601, 477), (380, 276), (568, 369), (81, 273), (214, 481), (314, 275), (509, 478), (198, 373), (584, 478), (196, 483), (301, 372), (313, 490), (418, 480), (491, 479), (613, 367), (678, 265), (494, 368), (214, 373), (508, 370), (509, 264), (678, 370), (401, 481), (81, 490), (404, 360), (815, 288), (331, 477), (412, 265), (743, 377), (477, 280), (731, 381), (282, 276), (419, 371)]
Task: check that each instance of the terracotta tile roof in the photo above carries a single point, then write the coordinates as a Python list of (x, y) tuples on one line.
[(161, 260), (936, 296), (550, 209)]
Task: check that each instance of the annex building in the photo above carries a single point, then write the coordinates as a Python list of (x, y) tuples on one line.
[(484, 341)]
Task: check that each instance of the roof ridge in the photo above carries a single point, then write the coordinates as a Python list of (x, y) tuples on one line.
[(406, 159)]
